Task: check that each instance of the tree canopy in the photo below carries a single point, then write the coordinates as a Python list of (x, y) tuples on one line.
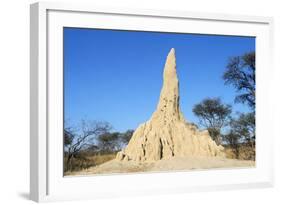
[(244, 126), (240, 72), (213, 115)]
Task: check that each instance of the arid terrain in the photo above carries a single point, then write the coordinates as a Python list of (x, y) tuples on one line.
[(174, 164)]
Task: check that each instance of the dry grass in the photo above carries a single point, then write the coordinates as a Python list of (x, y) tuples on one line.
[(86, 160), (246, 152), (173, 164), (101, 158)]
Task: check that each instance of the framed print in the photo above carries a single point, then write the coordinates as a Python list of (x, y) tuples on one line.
[(128, 102)]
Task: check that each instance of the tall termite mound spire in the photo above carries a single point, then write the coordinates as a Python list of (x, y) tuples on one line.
[(168, 106), (167, 134)]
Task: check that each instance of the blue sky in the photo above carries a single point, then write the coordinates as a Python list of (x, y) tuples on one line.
[(116, 76)]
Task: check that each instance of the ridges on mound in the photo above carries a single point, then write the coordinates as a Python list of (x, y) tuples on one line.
[(167, 134)]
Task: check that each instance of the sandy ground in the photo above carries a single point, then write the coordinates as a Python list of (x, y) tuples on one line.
[(174, 164)]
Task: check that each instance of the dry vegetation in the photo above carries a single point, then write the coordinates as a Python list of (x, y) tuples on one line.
[(87, 160), (100, 159), (245, 152)]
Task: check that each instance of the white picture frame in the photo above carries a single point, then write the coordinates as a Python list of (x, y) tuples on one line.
[(46, 177)]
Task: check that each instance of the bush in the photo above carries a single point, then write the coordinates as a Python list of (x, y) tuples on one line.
[(245, 152), (85, 160)]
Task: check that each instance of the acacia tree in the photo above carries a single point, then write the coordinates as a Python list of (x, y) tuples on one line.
[(109, 142), (213, 115), (244, 126), (240, 72), (232, 139), (242, 130), (126, 136), (112, 142), (77, 140)]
